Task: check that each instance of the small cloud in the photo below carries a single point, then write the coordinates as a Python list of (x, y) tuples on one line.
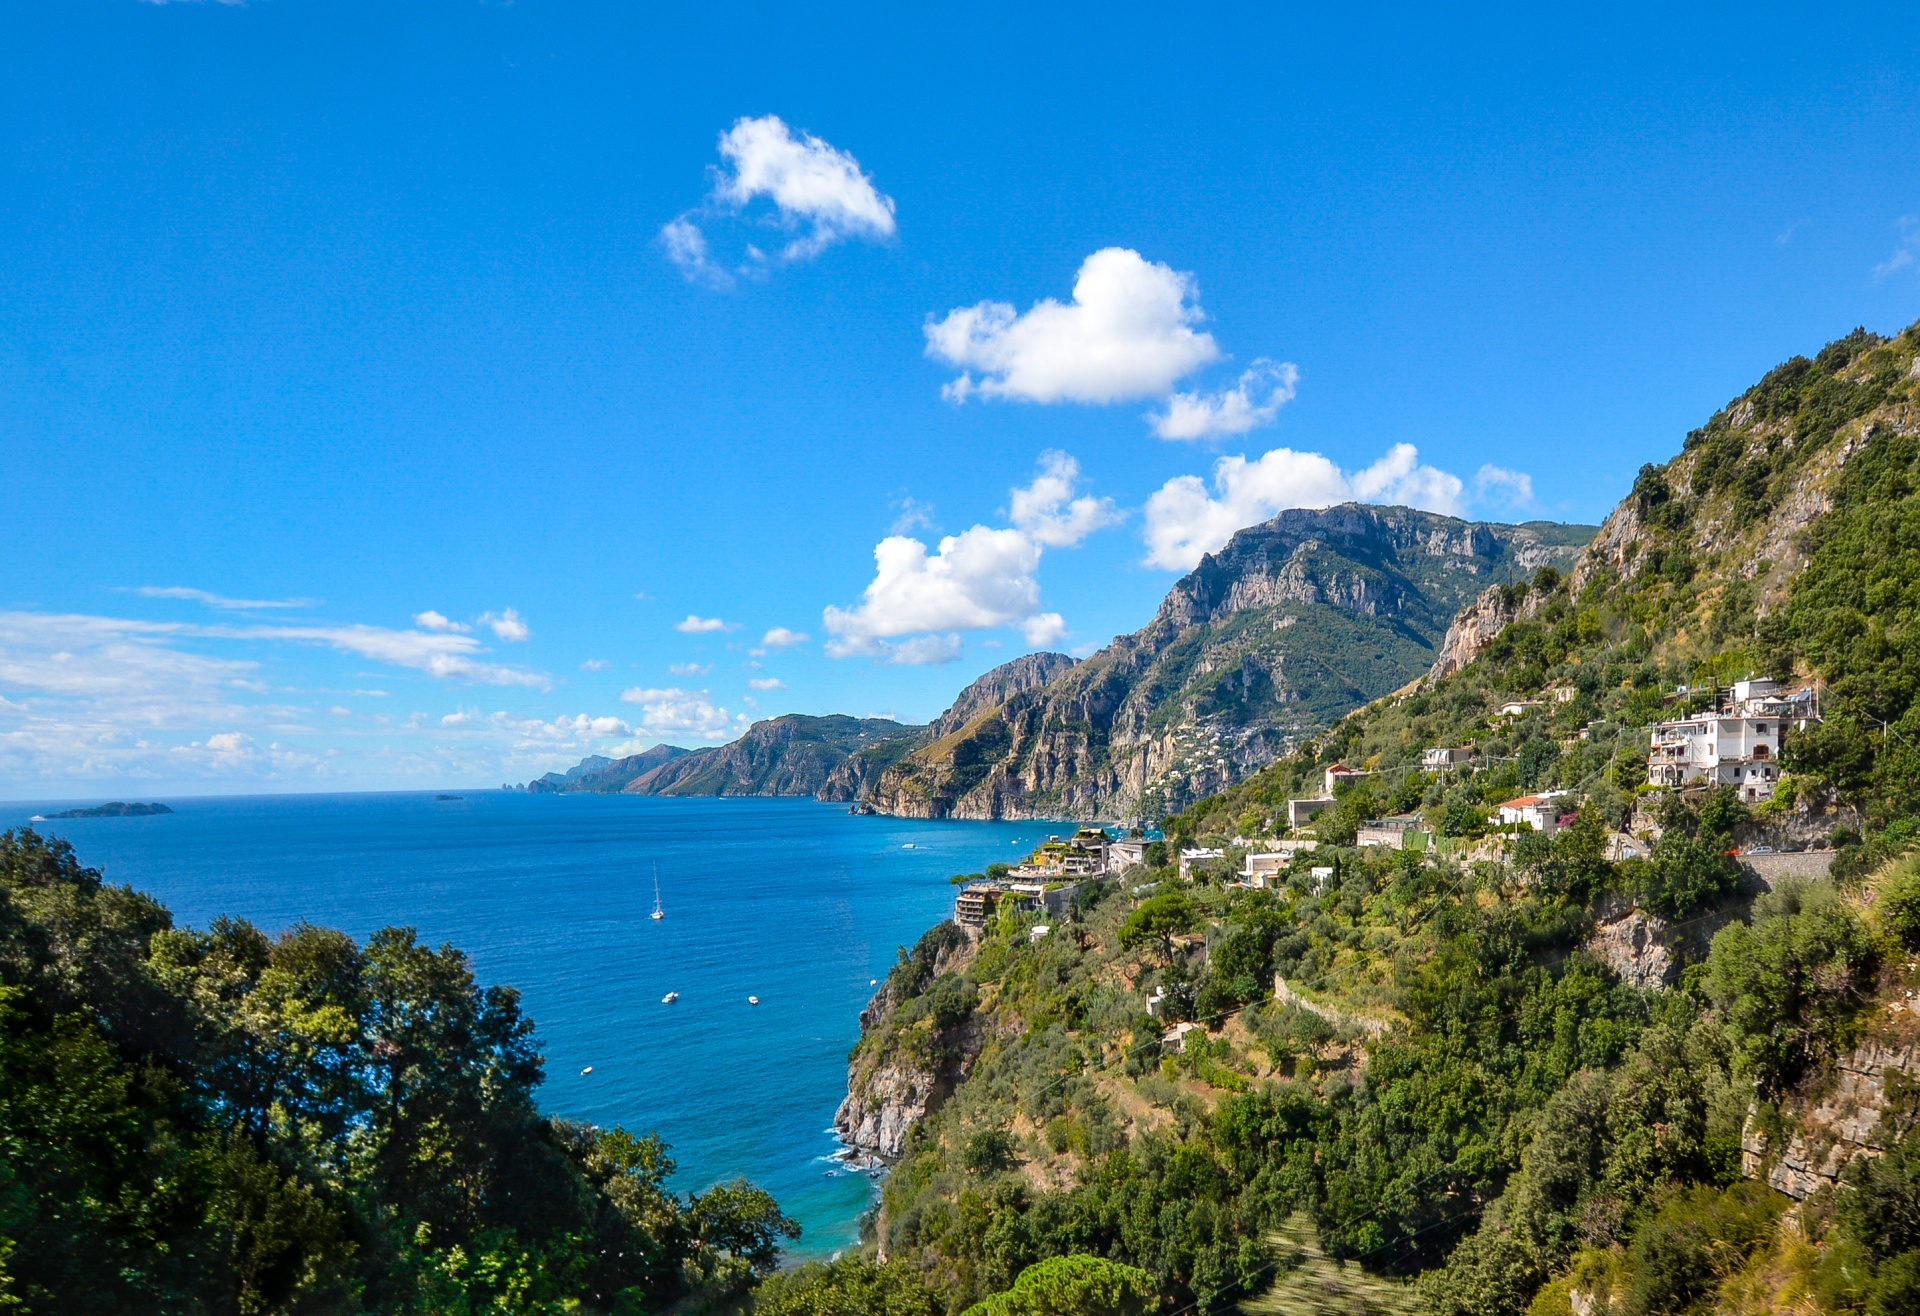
[(1047, 511), (434, 621), (1501, 487), (593, 664), (818, 192), (913, 515), (1905, 252), (766, 683), (1264, 388), (507, 624), (213, 600), (229, 742), (920, 651), (460, 717), (673, 711), (1043, 629), (983, 577), (698, 625), (1128, 333), (689, 669), (781, 638), (340, 710)]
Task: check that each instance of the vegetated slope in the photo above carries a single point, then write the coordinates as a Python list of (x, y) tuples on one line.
[(829, 758), (1456, 1088), (1784, 538), (223, 1121), (1289, 626)]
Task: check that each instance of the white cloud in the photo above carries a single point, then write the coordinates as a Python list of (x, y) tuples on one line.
[(920, 651), (913, 515), (673, 711), (1044, 628), (1048, 513), (460, 717), (780, 638), (820, 196), (689, 669), (1263, 388), (581, 728), (698, 625), (447, 656), (507, 624), (766, 683), (340, 710), (1905, 252), (1498, 486), (983, 577), (1128, 333), (593, 664), (434, 621), (219, 600), (1185, 521)]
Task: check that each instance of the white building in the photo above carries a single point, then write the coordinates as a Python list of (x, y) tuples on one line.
[(1442, 757), (1197, 855), (1540, 812), (1337, 775), (1122, 855), (1736, 744)]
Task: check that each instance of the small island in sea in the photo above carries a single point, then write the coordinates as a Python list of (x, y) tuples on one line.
[(118, 809)]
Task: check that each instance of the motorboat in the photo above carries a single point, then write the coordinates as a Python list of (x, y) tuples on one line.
[(586, 1071), (753, 1000), (670, 998)]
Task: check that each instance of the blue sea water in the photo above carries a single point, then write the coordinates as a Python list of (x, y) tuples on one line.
[(793, 901)]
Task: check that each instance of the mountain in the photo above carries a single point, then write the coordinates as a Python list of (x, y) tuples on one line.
[(1291, 625), (830, 758), (598, 774)]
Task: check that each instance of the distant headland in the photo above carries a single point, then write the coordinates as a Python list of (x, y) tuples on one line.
[(118, 809)]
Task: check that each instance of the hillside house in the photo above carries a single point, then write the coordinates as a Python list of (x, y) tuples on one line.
[(1339, 775), (1197, 855), (1514, 708), (1042, 897), (1737, 743), (1441, 758), (1302, 812), (1122, 855), (975, 904), (1540, 812)]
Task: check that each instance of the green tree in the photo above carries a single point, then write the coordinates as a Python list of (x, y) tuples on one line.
[(1077, 1285)]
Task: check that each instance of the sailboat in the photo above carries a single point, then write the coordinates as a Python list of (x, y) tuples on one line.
[(657, 911)]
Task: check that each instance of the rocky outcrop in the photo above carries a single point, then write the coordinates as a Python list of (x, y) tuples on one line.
[(1289, 627), (1649, 951), (596, 774), (1473, 630), (909, 1059), (1844, 1123)]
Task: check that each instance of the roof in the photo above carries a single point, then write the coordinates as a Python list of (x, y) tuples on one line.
[(1524, 802)]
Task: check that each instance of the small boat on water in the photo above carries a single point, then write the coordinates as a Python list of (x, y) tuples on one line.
[(658, 912), (670, 998), (753, 1000), (586, 1071)]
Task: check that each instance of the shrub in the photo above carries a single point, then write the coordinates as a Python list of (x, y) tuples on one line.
[(1900, 905)]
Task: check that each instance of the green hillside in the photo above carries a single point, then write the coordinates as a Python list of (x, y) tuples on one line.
[(1421, 1068)]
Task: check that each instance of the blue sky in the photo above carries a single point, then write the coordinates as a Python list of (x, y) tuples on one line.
[(550, 368)]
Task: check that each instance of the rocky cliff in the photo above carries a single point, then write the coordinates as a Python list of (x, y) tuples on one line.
[(599, 775), (918, 1039), (1291, 625)]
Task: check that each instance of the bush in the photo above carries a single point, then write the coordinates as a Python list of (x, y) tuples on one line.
[(1073, 1286), (1900, 905), (988, 1152), (1695, 1240), (1790, 983)]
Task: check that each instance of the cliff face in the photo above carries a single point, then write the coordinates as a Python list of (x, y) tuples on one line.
[(1291, 625), (918, 1040)]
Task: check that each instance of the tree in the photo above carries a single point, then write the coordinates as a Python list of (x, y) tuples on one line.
[(1076, 1285), (1158, 917)]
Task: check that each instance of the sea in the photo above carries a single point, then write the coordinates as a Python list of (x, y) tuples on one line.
[(799, 903)]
